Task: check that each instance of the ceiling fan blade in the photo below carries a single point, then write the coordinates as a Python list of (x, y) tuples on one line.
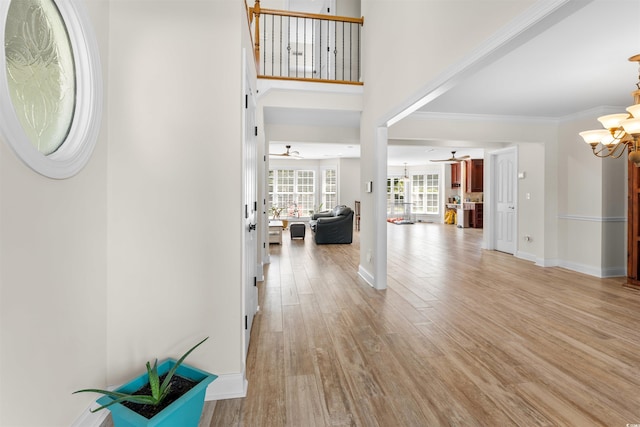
[(288, 153), (453, 158)]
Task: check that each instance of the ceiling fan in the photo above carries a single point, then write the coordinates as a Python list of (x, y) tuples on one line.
[(453, 158), (289, 153)]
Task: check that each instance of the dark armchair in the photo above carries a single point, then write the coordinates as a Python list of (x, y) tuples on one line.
[(334, 226)]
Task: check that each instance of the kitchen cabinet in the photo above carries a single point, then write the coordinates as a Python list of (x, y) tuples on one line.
[(475, 175), (476, 218), (474, 211), (456, 175)]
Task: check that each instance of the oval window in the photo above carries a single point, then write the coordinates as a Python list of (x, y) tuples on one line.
[(50, 87), (40, 72)]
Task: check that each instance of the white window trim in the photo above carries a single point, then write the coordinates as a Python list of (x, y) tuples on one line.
[(295, 183), (439, 198), (320, 193), (75, 152)]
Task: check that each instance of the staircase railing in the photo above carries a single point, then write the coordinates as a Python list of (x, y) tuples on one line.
[(302, 46)]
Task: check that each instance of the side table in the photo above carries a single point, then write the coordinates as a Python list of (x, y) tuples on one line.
[(275, 232)]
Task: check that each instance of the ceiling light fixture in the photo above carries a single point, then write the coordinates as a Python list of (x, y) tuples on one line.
[(621, 131)]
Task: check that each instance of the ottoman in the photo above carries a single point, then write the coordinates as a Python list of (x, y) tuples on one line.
[(297, 229)]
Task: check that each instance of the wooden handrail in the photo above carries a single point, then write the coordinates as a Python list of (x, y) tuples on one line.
[(345, 82), (256, 11), (312, 16)]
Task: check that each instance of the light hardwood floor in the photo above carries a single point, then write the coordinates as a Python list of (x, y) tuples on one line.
[(462, 336)]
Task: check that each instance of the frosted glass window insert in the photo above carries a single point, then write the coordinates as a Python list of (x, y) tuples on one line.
[(40, 72)]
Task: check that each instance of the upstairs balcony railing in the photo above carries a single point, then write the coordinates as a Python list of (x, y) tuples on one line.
[(310, 47)]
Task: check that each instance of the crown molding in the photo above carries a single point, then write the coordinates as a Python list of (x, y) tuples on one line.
[(592, 113), (423, 115)]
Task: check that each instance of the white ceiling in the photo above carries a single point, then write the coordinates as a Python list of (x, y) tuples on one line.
[(575, 65)]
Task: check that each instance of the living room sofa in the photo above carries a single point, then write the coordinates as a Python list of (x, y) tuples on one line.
[(334, 226)]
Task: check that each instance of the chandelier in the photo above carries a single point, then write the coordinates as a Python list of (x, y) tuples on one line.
[(405, 177), (621, 131)]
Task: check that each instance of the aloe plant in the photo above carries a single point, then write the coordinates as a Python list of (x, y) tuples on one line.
[(158, 390)]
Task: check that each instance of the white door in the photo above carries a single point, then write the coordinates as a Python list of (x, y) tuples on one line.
[(250, 212), (504, 218)]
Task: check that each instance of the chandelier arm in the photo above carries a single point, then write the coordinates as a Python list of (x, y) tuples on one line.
[(618, 155), (602, 152), (623, 146), (615, 152)]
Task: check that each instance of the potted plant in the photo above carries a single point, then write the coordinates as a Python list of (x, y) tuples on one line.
[(169, 394), (275, 211), (316, 209)]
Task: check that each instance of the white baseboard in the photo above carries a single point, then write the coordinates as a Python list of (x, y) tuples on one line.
[(594, 271), (614, 272), (88, 419), (548, 262), (526, 256), (579, 268), (227, 386), (368, 277)]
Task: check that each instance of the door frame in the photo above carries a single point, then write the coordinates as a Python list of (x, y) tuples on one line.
[(489, 198), (250, 210)]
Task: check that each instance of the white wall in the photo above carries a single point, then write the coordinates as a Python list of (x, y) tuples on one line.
[(350, 188), (133, 258), (348, 8), (591, 203), (175, 222), (532, 202), (53, 281), (343, 7)]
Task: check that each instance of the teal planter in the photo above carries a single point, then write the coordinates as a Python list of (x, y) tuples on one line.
[(184, 412)]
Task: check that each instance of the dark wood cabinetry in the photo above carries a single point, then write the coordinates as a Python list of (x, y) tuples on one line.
[(633, 226), (474, 211), (475, 175), (456, 175), (476, 218)]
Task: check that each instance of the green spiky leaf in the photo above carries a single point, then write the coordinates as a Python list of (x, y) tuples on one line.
[(175, 367), (154, 381), (158, 391)]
